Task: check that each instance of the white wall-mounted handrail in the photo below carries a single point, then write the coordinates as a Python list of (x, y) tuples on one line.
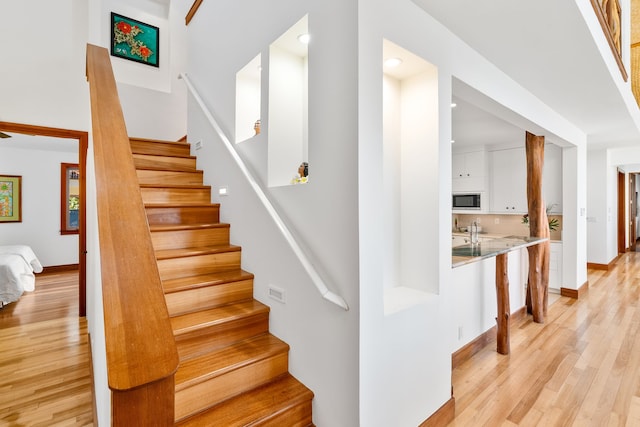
[(297, 250)]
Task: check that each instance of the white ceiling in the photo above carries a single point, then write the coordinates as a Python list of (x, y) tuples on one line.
[(32, 142), (547, 47)]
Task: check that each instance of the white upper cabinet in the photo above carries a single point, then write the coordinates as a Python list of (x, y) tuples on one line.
[(469, 171), (508, 181)]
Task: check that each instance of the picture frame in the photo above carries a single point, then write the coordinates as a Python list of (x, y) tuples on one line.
[(135, 40), (10, 198)]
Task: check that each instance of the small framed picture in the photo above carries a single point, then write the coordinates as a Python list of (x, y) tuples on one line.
[(10, 198), (135, 40)]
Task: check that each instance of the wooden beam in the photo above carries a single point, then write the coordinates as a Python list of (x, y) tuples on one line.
[(538, 286), (504, 311), (194, 8)]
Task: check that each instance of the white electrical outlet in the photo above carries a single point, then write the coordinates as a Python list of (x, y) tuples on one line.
[(277, 294), (198, 145), (223, 191)]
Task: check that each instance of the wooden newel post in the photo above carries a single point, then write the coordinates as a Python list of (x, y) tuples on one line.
[(502, 293), (538, 227)]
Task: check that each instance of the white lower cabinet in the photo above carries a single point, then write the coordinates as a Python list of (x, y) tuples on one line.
[(555, 266)]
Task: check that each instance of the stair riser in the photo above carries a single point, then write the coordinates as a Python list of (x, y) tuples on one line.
[(208, 297), (170, 163), (177, 239), (223, 334), (189, 401), (153, 177), (175, 195), (174, 268), (160, 148), (183, 215)]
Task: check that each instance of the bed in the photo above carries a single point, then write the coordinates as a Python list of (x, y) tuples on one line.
[(18, 263)]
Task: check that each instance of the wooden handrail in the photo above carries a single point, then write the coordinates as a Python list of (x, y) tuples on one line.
[(141, 352)]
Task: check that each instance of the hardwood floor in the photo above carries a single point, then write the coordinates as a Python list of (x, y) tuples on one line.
[(580, 368), (44, 357)]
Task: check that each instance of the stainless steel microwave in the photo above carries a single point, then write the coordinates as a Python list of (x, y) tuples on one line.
[(467, 201)]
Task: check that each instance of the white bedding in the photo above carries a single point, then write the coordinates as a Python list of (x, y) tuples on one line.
[(17, 265)]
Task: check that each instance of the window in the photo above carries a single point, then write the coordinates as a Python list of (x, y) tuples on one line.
[(69, 198)]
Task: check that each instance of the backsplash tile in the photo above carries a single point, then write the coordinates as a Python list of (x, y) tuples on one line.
[(508, 224)]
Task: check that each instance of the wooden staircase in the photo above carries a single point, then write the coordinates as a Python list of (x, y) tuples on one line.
[(232, 371)]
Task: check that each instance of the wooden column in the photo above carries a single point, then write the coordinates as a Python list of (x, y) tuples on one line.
[(537, 289), (502, 293)]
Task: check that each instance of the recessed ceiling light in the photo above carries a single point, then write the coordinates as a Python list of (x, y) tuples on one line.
[(453, 141), (392, 62), (304, 38), (454, 105)]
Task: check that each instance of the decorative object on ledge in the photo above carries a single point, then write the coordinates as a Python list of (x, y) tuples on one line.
[(10, 198), (609, 16), (256, 127), (134, 40)]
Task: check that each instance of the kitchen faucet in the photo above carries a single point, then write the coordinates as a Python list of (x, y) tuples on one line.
[(473, 233)]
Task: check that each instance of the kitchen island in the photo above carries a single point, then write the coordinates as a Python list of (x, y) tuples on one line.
[(498, 248)]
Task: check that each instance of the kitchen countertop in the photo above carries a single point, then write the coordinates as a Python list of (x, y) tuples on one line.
[(468, 253)]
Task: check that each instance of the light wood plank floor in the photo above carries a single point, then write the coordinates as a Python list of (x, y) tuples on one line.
[(44, 357), (580, 368)]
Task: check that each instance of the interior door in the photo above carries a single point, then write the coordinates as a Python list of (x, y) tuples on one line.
[(622, 223), (632, 212)]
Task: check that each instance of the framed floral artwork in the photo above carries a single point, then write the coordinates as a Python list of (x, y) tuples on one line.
[(135, 40), (10, 198)]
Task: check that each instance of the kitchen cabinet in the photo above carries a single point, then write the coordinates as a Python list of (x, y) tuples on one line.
[(508, 181), (555, 266), (469, 171)]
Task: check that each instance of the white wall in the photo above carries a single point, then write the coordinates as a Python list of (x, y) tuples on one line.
[(575, 211), (412, 347), (42, 78), (322, 214), (602, 200), (153, 99), (40, 226)]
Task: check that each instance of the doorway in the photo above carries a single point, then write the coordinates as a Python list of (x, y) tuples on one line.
[(83, 144)]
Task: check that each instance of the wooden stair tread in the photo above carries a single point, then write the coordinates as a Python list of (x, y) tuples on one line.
[(227, 359), (160, 141), (252, 407), (189, 322), (165, 156), (181, 186), (180, 205), (195, 251), (232, 371), (193, 282), (163, 169), (179, 227)]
